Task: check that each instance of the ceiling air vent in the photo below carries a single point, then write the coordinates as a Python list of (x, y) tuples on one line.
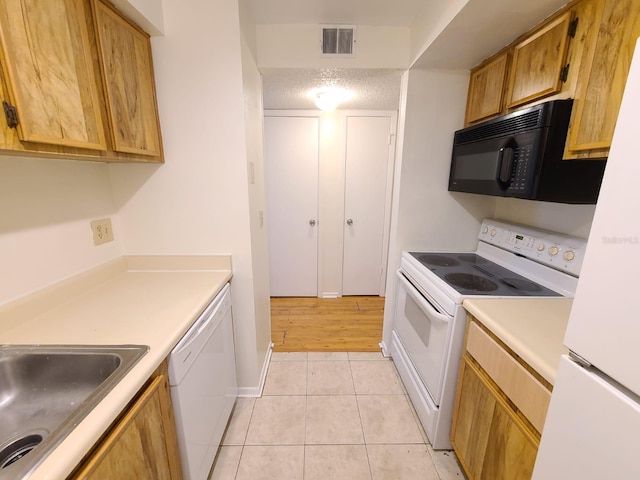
[(338, 39)]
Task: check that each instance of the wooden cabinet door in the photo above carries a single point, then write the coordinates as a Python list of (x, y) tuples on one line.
[(603, 77), (489, 439), (486, 89), (127, 71), (538, 61), (46, 58), (137, 447)]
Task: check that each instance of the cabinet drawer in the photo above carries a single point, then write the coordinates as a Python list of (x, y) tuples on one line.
[(529, 395)]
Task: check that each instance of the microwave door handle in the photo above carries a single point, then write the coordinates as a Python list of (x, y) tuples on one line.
[(505, 166)]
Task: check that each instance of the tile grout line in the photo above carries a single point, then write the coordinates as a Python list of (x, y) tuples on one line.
[(306, 411), (244, 441), (364, 438)]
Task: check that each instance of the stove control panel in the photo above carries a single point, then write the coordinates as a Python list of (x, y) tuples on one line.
[(558, 251)]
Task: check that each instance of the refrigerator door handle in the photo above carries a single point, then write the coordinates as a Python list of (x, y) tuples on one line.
[(583, 362)]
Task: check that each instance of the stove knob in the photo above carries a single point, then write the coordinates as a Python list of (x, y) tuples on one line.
[(485, 229), (540, 247), (568, 256), (493, 232), (553, 251)]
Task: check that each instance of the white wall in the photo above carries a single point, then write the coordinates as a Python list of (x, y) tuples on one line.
[(459, 34), (252, 86), (426, 217), (426, 29), (298, 46), (198, 201), (148, 14), (568, 219), (46, 207)]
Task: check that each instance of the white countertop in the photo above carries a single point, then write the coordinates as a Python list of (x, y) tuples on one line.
[(132, 300), (533, 328)]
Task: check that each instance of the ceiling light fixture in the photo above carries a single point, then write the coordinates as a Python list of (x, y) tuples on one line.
[(328, 99)]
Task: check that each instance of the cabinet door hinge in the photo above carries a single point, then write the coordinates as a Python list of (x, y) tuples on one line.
[(573, 27), (11, 113), (564, 73)]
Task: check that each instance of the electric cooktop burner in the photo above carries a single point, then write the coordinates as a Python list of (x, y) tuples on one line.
[(437, 260), (471, 274), (468, 281)]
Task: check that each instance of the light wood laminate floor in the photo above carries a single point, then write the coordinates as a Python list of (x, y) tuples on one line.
[(326, 324)]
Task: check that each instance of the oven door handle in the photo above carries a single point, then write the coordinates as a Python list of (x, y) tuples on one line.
[(422, 302)]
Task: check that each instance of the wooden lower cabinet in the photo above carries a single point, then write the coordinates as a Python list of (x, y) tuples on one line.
[(142, 445), (490, 440)]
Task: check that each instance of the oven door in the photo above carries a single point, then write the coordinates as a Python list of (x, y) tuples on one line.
[(424, 331)]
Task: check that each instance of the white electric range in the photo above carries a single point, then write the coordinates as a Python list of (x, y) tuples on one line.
[(429, 320)]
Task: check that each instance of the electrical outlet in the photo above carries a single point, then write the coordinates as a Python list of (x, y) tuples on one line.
[(102, 231)]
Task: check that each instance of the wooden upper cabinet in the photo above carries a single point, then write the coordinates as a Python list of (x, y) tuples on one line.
[(127, 71), (486, 89), (602, 78), (47, 62), (538, 61)]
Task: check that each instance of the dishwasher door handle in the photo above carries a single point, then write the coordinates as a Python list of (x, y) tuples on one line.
[(188, 348)]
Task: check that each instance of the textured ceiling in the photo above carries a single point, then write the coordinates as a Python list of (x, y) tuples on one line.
[(372, 89), (479, 29)]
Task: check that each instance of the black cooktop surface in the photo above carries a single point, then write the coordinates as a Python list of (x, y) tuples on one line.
[(471, 274)]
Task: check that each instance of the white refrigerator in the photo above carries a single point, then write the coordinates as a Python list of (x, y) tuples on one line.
[(592, 429)]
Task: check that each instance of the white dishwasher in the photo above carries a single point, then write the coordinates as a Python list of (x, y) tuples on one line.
[(202, 375)]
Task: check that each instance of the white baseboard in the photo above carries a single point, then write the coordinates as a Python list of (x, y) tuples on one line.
[(330, 295), (256, 392), (386, 351)]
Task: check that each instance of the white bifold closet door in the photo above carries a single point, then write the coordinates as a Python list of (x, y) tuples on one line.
[(367, 163), (291, 183)]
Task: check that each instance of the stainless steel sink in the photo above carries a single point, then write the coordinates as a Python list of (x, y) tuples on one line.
[(46, 390)]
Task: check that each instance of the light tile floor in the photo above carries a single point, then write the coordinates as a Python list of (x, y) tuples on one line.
[(329, 416)]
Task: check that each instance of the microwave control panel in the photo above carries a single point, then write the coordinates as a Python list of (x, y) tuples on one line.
[(561, 252), (522, 165)]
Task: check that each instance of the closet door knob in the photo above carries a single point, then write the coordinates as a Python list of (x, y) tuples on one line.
[(350, 222), (312, 222)]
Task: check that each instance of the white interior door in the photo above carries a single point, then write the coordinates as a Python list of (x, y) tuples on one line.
[(367, 162), (291, 183)]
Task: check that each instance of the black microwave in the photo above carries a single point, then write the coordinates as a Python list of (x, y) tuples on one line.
[(520, 155)]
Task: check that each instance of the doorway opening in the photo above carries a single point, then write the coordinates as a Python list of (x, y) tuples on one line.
[(328, 185), (310, 324)]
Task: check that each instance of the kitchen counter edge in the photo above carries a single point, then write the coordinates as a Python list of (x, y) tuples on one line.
[(533, 328), (149, 300)]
